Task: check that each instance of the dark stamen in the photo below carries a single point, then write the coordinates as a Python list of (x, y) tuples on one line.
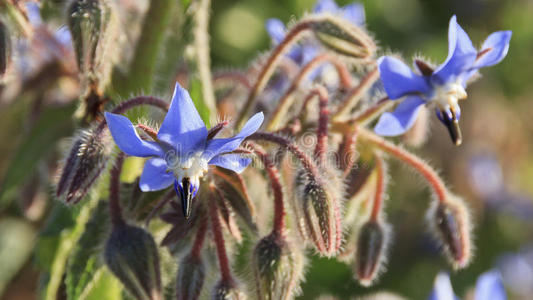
[(452, 124), (186, 197)]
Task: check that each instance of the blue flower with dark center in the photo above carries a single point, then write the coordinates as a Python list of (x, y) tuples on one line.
[(304, 53), (181, 152), (442, 87), (489, 286)]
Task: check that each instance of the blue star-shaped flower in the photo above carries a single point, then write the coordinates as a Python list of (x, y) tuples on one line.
[(489, 286), (302, 54), (442, 87), (181, 152)]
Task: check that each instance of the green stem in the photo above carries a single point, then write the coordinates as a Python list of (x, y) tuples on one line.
[(142, 65)]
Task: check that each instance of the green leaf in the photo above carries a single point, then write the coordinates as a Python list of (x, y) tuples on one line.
[(54, 124), (84, 265)]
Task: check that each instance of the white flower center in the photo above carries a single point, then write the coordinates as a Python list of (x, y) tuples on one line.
[(447, 96), (194, 167)]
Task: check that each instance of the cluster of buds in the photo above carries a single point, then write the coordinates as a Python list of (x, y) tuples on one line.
[(297, 168)]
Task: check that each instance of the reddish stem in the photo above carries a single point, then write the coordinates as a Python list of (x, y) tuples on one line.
[(200, 238), (322, 128), (275, 183), (269, 68), (114, 191), (166, 198), (216, 228), (380, 187), (428, 173)]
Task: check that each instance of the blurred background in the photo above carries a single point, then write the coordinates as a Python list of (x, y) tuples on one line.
[(492, 170)]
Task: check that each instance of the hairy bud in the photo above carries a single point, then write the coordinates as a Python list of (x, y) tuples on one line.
[(191, 276), (343, 37), (370, 252), (224, 290), (86, 160), (451, 224), (322, 221), (131, 254), (277, 268)]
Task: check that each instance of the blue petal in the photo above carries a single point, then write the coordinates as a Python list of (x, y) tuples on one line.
[(399, 121), (218, 146), (326, 6), (489, 286), (183, 128), (234, 162), (355, 13), (276, 29), (63, 36), (398, 79), (127, 138), (442, 290), (461, 54), (498, 43), (154, 176)]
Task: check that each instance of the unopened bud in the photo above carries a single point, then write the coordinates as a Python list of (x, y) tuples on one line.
[(451, 223), (191, 276), (277, 268), (86, 159), (370, 252), (322, 219), (131, 254), (343, 37), (85, 19), (224, 290)]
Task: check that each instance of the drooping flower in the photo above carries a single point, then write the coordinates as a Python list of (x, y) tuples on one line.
[(442, 87), (488, 286), (181, 153), (304, 53)]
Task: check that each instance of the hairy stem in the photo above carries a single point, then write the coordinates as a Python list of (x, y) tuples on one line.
[(201, 45), (277, 189), (266, 72), (416, 163), (380, 187), (216, 228), (114, 191), (353, 97), (196, 249)]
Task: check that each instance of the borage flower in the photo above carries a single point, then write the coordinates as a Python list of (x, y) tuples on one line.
[(302, 54), (442, 87), (182, 151), (489, 286)]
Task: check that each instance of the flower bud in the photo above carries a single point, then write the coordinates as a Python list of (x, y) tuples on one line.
[(131, 254), (277, 268), (85, 19), (224, 290), (451, 224), (191, 276), (343, 37), (86, 160), (321, 217), (370, 252)]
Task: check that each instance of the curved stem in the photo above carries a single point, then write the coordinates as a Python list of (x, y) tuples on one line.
[(353, 97), (216, 228), (166, 198), (114, 191), (277, 189), (266, 72), (416, 163), (307, 162)]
